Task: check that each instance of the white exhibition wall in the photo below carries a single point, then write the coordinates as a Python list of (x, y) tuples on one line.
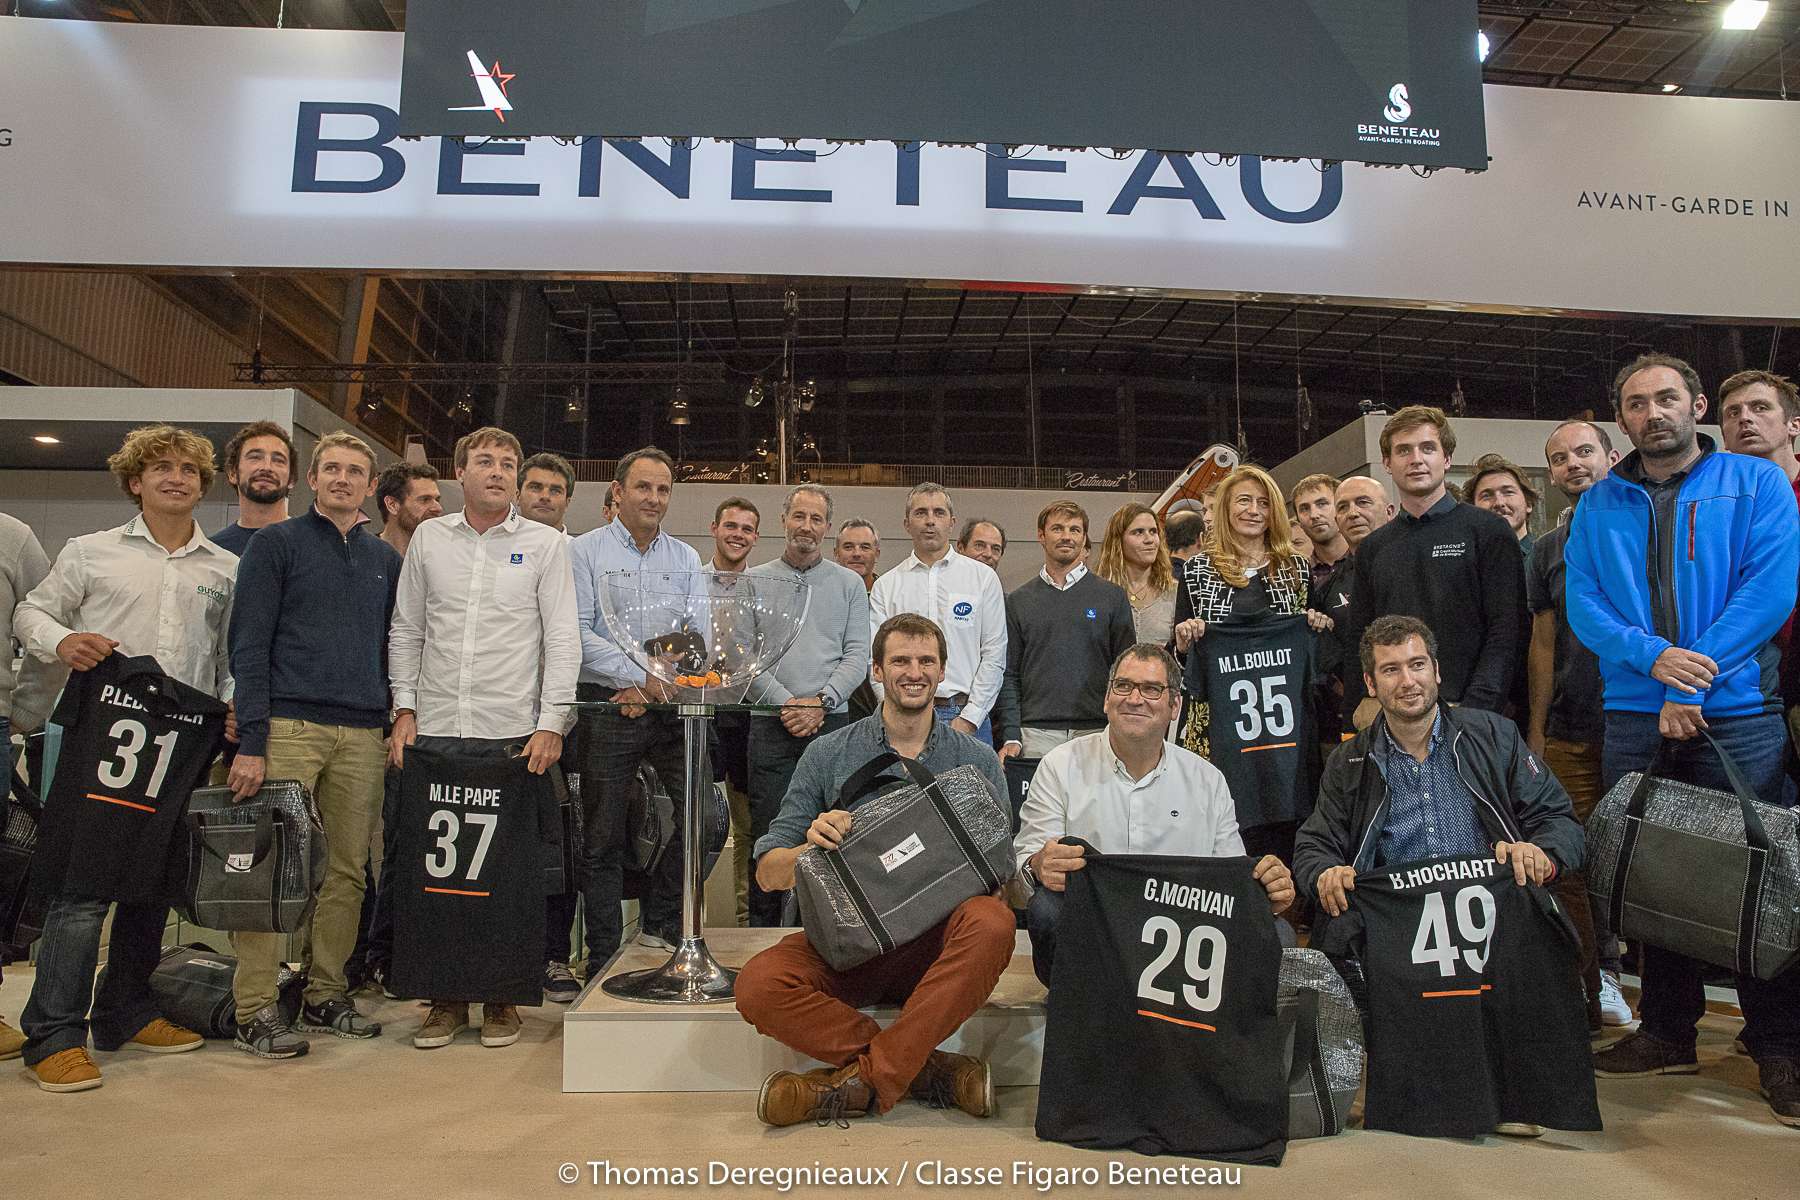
[(165, 145)]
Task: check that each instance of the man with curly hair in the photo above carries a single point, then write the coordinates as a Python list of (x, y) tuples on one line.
[(154, 586)]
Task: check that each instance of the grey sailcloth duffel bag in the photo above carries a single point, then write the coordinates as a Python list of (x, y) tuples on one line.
[(254, 866), (1713, 875), (1322, 1039), (914, 852)]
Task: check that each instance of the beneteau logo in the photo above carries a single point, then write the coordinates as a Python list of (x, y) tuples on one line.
[(491, 83), (1395, 131)]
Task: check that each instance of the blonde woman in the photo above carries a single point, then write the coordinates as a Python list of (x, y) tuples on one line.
[(1134, 556), (1246, 568)]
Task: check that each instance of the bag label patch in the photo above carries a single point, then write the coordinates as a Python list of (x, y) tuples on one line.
[(910, 849), (237, 864), (210, 965)]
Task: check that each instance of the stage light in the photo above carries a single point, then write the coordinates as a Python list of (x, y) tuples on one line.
[(678, 408), (1482, 46), (753, 397), (1744, 14), (44, 439), (1669, 89), (807, 396), (371, 402)]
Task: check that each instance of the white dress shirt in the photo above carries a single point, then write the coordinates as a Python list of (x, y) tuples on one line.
[(1081, 789), (1076, 574), (963, 596), (121, 583), (484, 642)]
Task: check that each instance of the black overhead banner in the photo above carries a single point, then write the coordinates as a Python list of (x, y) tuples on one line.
[(1391, 81)]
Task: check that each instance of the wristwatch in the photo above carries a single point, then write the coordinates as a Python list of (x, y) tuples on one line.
[(1028, 873)]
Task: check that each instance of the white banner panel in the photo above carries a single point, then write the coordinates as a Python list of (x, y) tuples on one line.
[(176, 146)]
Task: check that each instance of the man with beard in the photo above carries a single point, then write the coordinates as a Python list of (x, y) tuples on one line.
[(1759, 414), (259, 463), (546, 486), (814, 680), (1500, 486), (941, 977), (1681, 570), (1064, 629), (1565, 724), (407, 494), (1449, 564)]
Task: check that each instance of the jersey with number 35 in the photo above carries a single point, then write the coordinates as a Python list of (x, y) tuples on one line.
[(469, 901), (1264, 740), (135, 742), (1476, 1014)]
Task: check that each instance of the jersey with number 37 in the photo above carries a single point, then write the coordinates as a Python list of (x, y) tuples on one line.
[(1162, 1035), (135, 742), (469, 901), (1476, 1014)]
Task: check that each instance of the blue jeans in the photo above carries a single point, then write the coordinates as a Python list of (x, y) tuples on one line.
[(984, 733), (1674, 996), (57, 1016)]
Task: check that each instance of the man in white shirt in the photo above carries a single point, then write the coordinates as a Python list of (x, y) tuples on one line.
[(484, 649), (154, 586), (963, 597), (1112, 788)]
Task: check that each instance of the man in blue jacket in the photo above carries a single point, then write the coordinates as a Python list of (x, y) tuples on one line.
[(1685, 646), (309, 651)]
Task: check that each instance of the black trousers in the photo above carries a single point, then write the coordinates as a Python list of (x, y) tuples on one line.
[(774, 753), (616, 745)]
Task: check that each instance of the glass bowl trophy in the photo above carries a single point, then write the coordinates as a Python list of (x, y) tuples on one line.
[(702, 638)]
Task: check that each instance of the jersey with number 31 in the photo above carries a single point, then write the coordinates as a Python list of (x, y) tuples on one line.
[(135, 742), (1476, 1014), (469, 902)]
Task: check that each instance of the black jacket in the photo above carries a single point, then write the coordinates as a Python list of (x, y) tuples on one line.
[(1516, 797)]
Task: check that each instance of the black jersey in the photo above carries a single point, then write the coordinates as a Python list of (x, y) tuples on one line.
[(1259, 686), (469, 897), (134, 745), (1476, 1014), (1162, 1034)]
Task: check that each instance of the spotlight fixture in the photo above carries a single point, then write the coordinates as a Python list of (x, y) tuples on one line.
[(1459, 404), (1669, 89), (371, 402), (1482, 46), (1744, 14), (806, 395), (464, 408), (44, 439), (574, 411), (678, 408), (753, 397)]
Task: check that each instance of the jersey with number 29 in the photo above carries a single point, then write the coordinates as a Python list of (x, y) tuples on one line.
[(135, 742), (469, 902), (1476, 1014), (1162, 1034)]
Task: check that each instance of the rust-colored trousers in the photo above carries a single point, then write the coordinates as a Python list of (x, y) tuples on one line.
[(940, 979)]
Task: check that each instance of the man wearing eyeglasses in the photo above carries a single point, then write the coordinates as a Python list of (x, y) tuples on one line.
[(1125, 790)]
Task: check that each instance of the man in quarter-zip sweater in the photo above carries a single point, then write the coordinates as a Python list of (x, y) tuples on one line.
[(310, 641), (1426, 780)]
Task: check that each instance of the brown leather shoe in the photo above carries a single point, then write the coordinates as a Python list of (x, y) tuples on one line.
[(68, 1071), (824, 1095), (164, 1037), (955, 1081), (12, 1042)]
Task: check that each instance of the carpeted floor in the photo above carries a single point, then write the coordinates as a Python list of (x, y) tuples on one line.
[(376, 1119)]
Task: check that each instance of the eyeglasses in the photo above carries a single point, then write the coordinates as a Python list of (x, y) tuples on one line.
[(1123, 689)]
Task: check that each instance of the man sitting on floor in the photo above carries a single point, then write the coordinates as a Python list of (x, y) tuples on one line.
[(1111, 788), (940, 978)]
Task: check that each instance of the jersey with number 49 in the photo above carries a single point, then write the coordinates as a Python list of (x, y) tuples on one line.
[(1162, 1034), (1264, 740), (1476, 1014), (469, 900), (134, 744)]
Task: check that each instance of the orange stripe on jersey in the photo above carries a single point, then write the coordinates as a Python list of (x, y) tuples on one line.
[(1486, 987), (1275, 746), (1176, 1020), (456, 892), (120, 803)]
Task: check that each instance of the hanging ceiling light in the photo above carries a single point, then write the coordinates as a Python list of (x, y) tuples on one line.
[(371, 401), (806, 396), (1482, 46), (1744, 14), (678, 407), (464, 408), (753, 397), (574, 410), (1459, 404)]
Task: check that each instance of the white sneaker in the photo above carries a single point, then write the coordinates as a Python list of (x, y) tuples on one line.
[(1613, 1009), (1518, 1129), (646, 938)]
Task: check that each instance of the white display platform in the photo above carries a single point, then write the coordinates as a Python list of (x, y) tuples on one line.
[(613, 1045)]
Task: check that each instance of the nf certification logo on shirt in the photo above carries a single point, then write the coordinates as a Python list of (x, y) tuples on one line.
[(517, 559), (962, 608)]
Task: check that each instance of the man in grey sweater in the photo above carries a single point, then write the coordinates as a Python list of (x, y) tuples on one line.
[(22, 567), (813, 681)]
